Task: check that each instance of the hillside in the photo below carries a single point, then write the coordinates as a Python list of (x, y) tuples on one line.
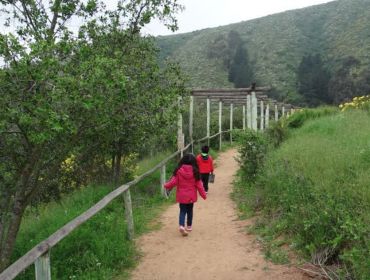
[(335, 35)]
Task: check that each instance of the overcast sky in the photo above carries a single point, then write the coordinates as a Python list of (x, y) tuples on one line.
[(200, 14)]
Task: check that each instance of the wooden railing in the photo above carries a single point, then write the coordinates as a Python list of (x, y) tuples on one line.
[(40, 254)]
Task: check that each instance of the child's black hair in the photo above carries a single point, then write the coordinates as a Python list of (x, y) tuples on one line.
[(205, 149), (189, 159)]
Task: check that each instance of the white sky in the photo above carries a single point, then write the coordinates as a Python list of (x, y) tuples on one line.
[(200, 14)]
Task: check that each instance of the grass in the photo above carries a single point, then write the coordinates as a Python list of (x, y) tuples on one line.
[(99, 249), (315, 189)]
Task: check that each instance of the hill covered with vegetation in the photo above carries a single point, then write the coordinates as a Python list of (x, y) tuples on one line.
[(315, 55)]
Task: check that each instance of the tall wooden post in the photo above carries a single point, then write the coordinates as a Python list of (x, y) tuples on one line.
[(283, 112), (180, 136), (276, 113), (243, 117), (249, 112), (163, 180), (220, 123), (208, 119), (231, 122), (42, 267), (267, 117), (254, 110), (191, 117), (262, 120), (129, 216)]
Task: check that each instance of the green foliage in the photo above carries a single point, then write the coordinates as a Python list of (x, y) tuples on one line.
[(299, 117), (314, 188), (276, 132), (97, 96), (313, 80), (252, 149)]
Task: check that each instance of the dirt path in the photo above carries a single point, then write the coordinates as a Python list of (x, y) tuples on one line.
[(217, 248)]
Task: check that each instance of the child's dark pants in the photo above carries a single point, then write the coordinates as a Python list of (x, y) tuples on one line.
[(205, 177), (186, 209)]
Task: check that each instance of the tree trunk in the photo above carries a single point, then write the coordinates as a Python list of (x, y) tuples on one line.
[(113, 168), (118, 168), (5, 209), (11, 234)]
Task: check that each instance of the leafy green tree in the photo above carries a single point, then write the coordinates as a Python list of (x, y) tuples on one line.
[(313, 80), (351, 79), (93, 94), (240, 71)]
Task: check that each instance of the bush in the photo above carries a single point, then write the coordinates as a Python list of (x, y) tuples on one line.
[(299, 117), (252, 149)]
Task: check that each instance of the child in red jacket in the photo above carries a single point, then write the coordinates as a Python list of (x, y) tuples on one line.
[(205, 164), (188, 181)]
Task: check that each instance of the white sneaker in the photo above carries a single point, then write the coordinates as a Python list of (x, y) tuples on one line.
[(183, 231)]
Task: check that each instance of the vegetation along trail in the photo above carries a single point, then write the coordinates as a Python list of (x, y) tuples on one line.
[(217, 248)]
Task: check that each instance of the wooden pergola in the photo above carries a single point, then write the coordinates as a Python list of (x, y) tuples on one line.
[(253, 99)]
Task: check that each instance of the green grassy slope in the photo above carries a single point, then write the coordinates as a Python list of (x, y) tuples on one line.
[(277, 43)]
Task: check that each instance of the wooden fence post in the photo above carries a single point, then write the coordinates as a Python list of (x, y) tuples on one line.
[(42, 267), (208, 119), (231, 123), (129, 216), (276, 113), (267, 116), (220, 123), (163, 180), (249, 111), (262, 116), (191, 117), (243, 117), (254, 110)]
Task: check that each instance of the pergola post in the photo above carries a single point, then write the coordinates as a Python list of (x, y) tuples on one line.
[(267, 117), (191, 118), (249, 112), (220, 123), (283, 112), (262, 116), (254, 110), (231, 123), (180, 135), (208, 119), (243, 117), (276, 113)]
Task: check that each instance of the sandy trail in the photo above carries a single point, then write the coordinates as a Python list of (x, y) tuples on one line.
[(217, 248)]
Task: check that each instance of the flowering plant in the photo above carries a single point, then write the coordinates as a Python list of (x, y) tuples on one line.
[(362, 102)]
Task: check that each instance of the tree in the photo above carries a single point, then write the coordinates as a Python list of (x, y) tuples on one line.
[(240, 72), (88, 95), (313, 80), (351, 78)]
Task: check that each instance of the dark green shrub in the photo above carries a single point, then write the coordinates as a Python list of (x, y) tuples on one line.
[(252, 149)]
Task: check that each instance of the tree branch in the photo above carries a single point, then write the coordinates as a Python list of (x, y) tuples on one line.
[(56, 7)]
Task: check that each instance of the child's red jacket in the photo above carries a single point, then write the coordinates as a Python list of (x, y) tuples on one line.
[(187, 186), (205, 163)]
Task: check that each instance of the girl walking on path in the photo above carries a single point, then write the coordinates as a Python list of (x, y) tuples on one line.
[(188, 181), (205, 163)]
